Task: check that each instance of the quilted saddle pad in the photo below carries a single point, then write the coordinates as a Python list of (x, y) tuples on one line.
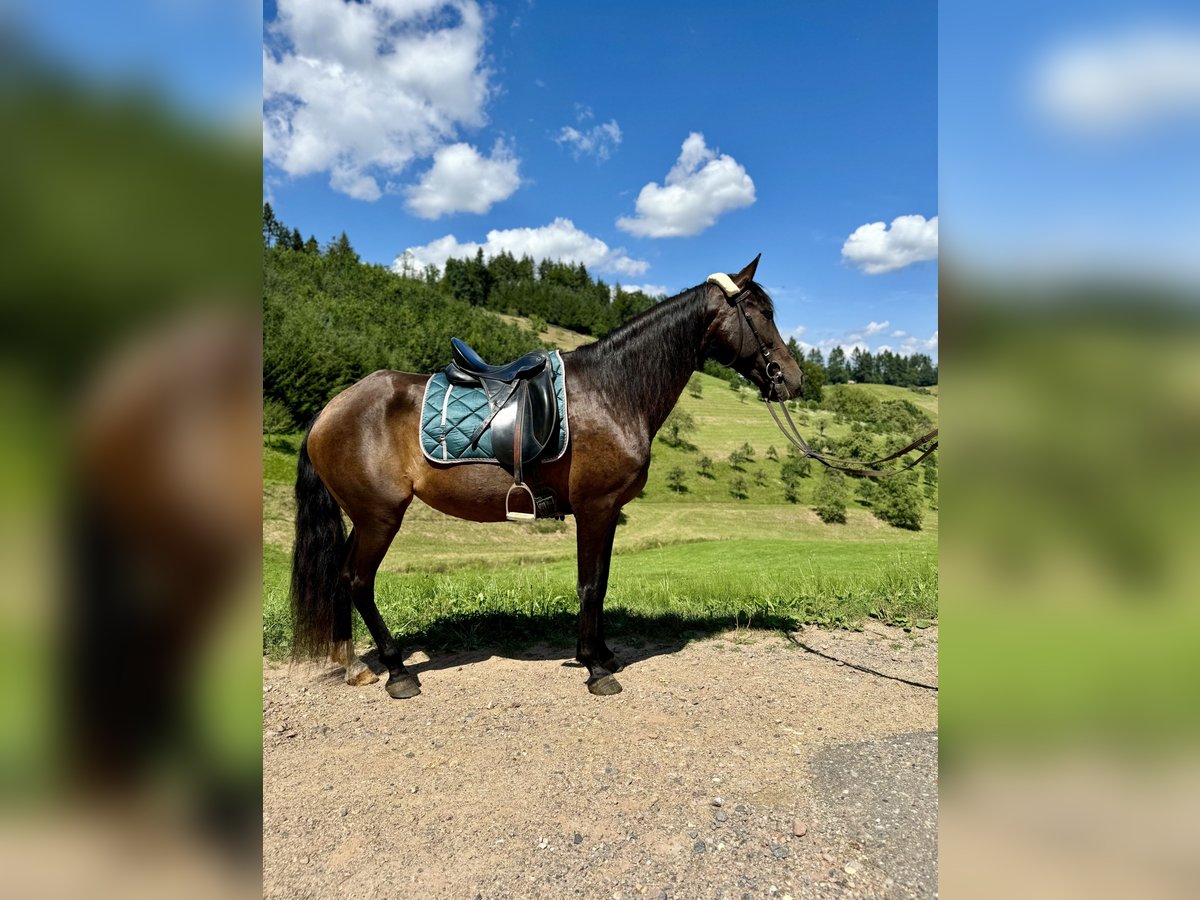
[(451, 413)]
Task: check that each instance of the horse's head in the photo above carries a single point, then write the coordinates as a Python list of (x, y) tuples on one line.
[(744, 335)]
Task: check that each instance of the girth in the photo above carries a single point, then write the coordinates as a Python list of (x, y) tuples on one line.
[(522, 416)]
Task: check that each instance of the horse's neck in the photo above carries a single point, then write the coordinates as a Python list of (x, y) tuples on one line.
[(648, 368), (670, 384)]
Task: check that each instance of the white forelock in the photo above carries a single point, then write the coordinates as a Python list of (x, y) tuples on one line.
[(725, 283)]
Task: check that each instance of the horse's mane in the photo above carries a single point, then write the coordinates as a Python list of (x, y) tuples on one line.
[(630, 363)]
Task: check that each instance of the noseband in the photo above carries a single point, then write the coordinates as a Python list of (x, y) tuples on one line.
[(736, 297)]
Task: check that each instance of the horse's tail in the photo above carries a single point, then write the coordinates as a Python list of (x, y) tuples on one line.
[(317, 558)]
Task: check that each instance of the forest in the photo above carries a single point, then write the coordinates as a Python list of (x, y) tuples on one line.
[(329, 319)]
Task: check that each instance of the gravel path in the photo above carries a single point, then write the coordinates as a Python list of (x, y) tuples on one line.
[(749, 765)]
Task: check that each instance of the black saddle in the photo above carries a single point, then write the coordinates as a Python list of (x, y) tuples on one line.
[(522, 415), (468, 364)]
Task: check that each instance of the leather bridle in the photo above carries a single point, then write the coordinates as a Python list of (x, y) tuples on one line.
[(773, 372)]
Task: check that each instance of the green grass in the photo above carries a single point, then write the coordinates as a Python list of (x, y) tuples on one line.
[(653, 595), (562, 338), (685, 564)]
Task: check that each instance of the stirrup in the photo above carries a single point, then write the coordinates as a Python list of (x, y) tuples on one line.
[(513, 515)]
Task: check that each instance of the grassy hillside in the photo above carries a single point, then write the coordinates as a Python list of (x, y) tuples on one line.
[(726, 419), (555, 335), (698, 559)]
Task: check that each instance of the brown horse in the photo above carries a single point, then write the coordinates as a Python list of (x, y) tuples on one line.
[(362, 455)]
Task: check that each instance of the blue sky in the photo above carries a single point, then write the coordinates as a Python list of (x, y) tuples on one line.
[(203, 57), (802, 123), (1069, 139)]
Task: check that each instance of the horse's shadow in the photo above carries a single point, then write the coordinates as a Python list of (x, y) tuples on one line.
[(467, 639)]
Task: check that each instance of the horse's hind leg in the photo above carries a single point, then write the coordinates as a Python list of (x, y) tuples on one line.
[(357, 671), (368, 550)]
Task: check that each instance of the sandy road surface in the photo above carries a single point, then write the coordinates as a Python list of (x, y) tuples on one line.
[(749, 765)]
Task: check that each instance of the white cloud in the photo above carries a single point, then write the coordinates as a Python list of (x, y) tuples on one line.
[(899, 333), (855, 340), (876, 327), (650, 290), (1119, 82), (700, 187), (461, 180), (875, 248), (361, 90), (560, 240), (599, 141)]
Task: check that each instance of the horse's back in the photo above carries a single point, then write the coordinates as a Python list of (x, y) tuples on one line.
[(361, 439)]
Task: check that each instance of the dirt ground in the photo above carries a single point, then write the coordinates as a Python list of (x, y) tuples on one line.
[(749, 765)]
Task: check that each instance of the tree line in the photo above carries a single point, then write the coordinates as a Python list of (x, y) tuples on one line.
[(330, 319), (556, 292), (863, 367)]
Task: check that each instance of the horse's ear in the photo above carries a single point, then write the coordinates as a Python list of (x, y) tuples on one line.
[(744, 277)]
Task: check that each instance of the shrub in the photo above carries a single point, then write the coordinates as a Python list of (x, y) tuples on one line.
[(853, 403), (796, 466), (829, 499), (675, 480), (791, 492), (897, 502), (741, 456), (276, 418), (679, 424)]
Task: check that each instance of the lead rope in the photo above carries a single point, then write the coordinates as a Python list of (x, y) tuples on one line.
[(849, 466), (774, 373)]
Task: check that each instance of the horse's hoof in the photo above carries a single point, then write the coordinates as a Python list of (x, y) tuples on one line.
[(613, 665), (604, 686), (360, 674), (402, 687)]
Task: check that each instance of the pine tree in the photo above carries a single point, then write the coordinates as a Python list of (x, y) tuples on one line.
[(340, 249), (835, 369), (863, 367), (269, 225), (814, 380)]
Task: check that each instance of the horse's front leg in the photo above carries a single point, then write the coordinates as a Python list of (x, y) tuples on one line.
[(595, 530)]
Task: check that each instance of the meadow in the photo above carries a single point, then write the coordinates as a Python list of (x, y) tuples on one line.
[(689, 559)]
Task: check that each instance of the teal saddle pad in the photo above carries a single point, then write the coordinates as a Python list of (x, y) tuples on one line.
[(450, 414)]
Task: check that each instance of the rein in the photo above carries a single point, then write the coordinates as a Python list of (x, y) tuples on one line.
[(774, 374)]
